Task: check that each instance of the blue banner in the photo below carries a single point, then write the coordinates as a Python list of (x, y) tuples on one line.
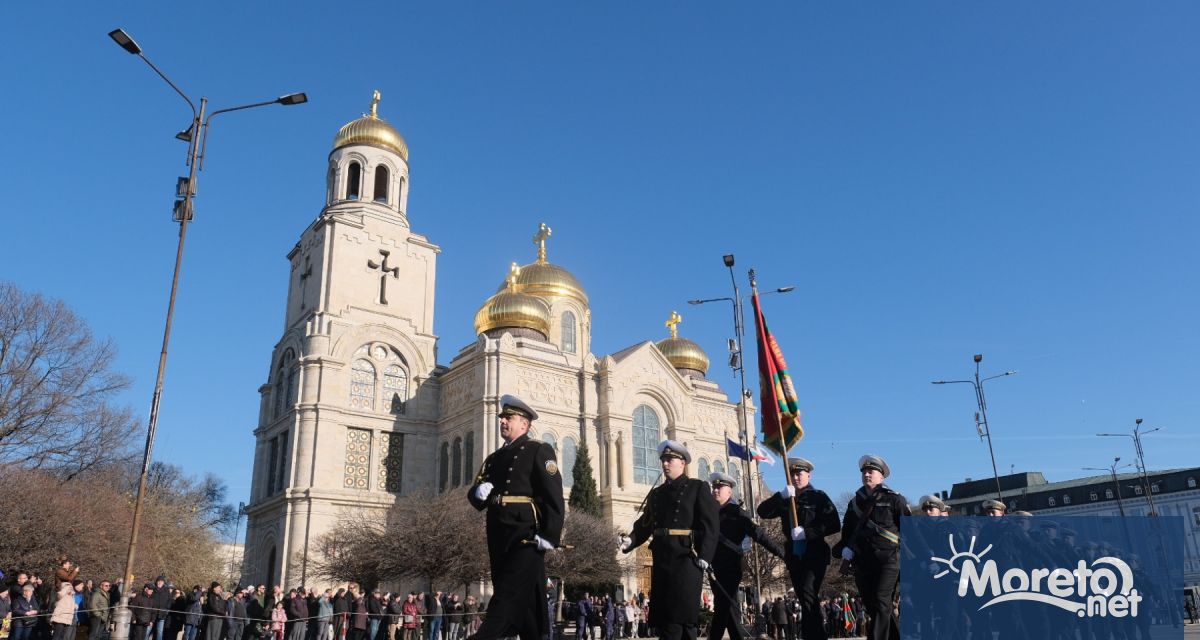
[(1041, 577)]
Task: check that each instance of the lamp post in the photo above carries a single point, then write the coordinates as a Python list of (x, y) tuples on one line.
[(737, 363), (196, 135), (234, 561), (1141, 460), (1117, 485), (981, 421)]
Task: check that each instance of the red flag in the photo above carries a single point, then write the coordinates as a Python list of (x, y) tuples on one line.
[(781, 426)]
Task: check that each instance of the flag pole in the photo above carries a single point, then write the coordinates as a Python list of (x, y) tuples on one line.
[(760, 331)]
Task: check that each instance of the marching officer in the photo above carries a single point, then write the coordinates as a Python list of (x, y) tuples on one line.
[(807, 554), (734, 526), (871, 541), (521, 489), (681, 515)]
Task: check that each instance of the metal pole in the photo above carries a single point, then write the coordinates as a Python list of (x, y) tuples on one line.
[(987, 429), (122, 615), (739, 330), (1137, 441)]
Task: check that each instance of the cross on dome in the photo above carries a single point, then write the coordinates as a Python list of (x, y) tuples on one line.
[(673, 323), (539, 239)]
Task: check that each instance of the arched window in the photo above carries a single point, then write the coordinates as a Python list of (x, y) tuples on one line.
[(329, 182), (1137, 489), (395, 388), (1050, 501), (353, 181), (568, 461), (568, 332), (1066, 499), (443, 466), (282, 382), (718, 466), (702, 471), (645, 443), (381, 184), (1093, 496), (735, 470), (1191, 482), (362, 385), (456, 457), (549, 439), (1108, 494), (469, 458), (1154, 488), (271, 566)]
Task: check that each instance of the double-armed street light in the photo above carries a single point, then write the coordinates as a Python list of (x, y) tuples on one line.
[(1141, 460), (981, 421), (737, 363), (196, 135)]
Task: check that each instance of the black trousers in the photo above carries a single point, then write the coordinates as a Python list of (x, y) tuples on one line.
[(676, 631), (518, 606), (807, 576), (877, 573), (726, 613)]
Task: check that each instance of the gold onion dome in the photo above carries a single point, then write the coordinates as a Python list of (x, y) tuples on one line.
[(547, 280), (511, 309), (681, 352), (372, 130)]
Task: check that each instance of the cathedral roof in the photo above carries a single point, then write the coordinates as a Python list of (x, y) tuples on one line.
[(546, 280), (511, 308), (681, 352), (372, 130)]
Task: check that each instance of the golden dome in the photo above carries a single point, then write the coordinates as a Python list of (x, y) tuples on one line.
[(512, 309), (547, 280), (681, 352), (372, 130)]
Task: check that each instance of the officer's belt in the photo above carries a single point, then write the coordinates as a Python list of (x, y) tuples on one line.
[(514, 500), (672, 532), (871, 524)]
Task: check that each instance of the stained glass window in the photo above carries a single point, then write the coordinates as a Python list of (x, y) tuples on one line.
[(358, 458), (645, 444)]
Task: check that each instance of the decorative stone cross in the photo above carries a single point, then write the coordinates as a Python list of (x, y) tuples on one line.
[(539, 239), (304, 275), (375, 104), (673, 322), (384, 270)]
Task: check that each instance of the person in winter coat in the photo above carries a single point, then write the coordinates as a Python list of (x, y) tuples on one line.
[(63, 619), (358, 616), (412, 621), (191, 615), (215, 607), (324, 614), (278, 621), (24, 613), (143, 612), (341, 611), (101, 610)]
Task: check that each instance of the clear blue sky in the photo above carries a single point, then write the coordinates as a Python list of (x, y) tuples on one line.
[(937, 179)]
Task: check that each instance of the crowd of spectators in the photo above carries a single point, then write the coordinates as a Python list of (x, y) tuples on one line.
[(66, 607)]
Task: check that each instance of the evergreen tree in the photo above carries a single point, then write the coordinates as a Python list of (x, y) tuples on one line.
[(584, 496)]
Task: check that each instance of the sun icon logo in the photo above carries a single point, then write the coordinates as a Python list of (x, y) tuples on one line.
[(958, 558)]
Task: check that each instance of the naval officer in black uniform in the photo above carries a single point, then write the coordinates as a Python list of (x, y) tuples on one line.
[(734, 526), (871, 541), (521, 488), (681, 515), (807, 557)]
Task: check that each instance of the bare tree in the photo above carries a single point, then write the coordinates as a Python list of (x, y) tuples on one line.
[(352, 551), (438, 539), (592, 554), (55, 389)]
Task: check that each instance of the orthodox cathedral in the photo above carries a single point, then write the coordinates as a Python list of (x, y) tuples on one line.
[(356, 410)]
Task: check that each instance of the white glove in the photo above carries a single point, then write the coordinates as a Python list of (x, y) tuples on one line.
[(847, 554), (623, 543), (483, 491), (702, 563), (788, 492), (798, 533), (542, 543)]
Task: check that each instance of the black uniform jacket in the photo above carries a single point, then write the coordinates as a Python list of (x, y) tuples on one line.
[(815, 512), (735, 526), (524, 467), (880, 532), (680, 504)]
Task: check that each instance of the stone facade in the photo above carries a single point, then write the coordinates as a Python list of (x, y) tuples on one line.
[(356, 411)]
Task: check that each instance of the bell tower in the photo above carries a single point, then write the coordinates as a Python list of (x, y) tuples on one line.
[(351, 400)]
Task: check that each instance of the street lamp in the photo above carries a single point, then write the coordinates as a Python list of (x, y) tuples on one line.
[(1141, 459), (737, 363), (981, 421), (196, 135), (1117, 485)]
